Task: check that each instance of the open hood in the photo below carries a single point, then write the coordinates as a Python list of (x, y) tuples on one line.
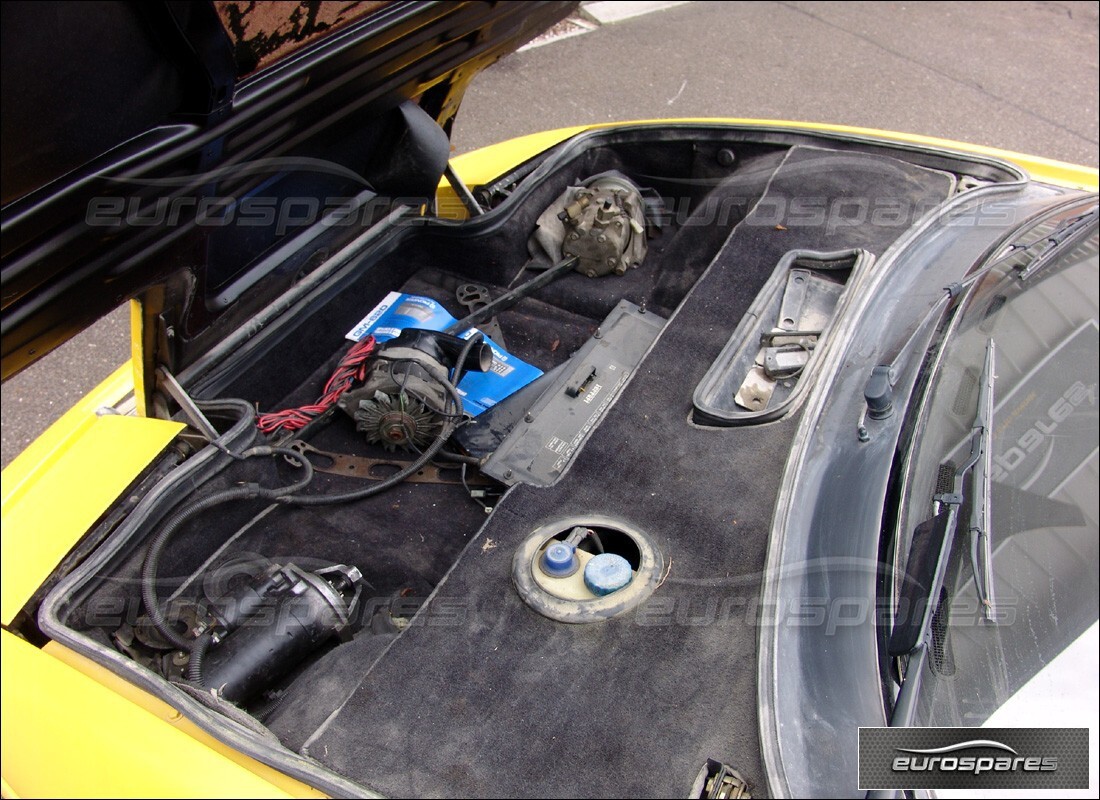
[(184, 152)]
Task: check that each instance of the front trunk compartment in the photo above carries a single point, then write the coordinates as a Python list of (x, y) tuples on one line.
[(450, 682)]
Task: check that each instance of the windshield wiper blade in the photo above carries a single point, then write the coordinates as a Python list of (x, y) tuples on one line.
[(1069, 231), (979, 461), (981, 551)]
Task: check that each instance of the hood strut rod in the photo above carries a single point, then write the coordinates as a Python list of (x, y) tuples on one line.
[(197, 419), (463, 191)]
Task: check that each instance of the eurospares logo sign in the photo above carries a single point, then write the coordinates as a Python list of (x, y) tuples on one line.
[(973, 758)]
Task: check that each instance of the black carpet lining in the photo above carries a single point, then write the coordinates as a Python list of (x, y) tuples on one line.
[(485, 697)]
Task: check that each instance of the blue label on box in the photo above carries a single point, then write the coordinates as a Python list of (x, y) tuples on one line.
[(479, 390)]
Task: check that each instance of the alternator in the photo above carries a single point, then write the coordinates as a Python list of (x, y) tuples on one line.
[(401, 403)]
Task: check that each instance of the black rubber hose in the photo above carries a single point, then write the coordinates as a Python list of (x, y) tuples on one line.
[(295, 458), (198, 653), (427, 455), (460, 363), (151, 564), (243, 408), (458, 458), (180, 516)]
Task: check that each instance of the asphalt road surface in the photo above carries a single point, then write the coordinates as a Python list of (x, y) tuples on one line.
[(1021, 76)]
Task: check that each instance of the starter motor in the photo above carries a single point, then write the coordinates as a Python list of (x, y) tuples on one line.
[(265, 628)]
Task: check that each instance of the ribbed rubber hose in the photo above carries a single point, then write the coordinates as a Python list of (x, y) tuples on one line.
[(198, 653), (182, 515), (151, 564)]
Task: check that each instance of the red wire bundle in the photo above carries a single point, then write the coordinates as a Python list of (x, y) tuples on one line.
[(352, 368)]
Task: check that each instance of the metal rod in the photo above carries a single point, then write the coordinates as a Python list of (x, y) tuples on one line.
[(509, 299), (179, 394), (463, 191)]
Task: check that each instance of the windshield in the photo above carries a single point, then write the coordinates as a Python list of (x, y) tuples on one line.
[(1035, 552)]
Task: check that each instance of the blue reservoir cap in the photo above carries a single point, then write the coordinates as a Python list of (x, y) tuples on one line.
[(559, 560), (607, 573)]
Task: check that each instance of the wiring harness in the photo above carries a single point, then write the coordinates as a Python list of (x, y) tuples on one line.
[(351, 370)]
